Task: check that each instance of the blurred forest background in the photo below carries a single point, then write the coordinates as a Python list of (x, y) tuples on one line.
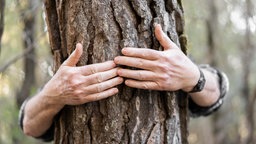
[(220, 32)]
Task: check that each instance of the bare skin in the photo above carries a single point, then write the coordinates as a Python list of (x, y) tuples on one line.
[(71, 85), (167, 70)]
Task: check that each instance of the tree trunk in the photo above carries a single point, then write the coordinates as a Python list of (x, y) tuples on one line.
[(212, 32), (2, 6), (104, 27), (247, 58), (28, 35), (212, 26)]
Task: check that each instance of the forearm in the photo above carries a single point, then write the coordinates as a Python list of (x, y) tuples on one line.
[(211, 92), (39, 113), (70, 85)]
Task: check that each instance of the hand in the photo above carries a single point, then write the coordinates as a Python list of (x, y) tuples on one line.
[(73, 85), (167, 70)]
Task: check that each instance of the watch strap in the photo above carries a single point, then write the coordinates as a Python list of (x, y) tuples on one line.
[(200, 84)]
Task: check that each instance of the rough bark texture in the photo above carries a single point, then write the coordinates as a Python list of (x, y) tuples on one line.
[(104, 27)]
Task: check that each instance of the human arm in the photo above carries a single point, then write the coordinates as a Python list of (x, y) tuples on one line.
[(223, 83), (71, 85), (167, 70)]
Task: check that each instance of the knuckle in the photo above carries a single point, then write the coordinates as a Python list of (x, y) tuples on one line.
[(160, 86), (77, 99), (140, 63), (98, 97), (166, 56), (88, 90), (92, 98), (92, 69), (99, 78), (63, 78), (77, 93), (163, 77), (163, 67), (140, 76), (82, 99), (99, 88), (145, 86), (74, 81), (145, 54)]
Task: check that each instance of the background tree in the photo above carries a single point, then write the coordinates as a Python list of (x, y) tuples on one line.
[(28, 10), (12, 72), (248, 48), (230, 35), (213, 43), (104, 27), (2, 6)]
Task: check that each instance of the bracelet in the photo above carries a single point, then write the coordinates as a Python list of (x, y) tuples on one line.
[(200, 84)]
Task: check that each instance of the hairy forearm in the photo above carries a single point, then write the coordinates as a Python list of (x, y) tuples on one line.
[(211, 92), (39, 114)]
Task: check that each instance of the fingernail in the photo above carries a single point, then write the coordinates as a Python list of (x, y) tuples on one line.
[(126, 82), (116, 90), (119, 71), (116, 59), (124, 50)]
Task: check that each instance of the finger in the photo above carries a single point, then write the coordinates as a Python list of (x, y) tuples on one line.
[(144, 53), (142, 84), (100, 95), (100, 77), (94, 68), (75, 56), (135, 62), (100, 87), (163, 39), (136, 74)]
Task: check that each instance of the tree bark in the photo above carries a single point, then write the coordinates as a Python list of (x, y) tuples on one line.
[(104, 27)]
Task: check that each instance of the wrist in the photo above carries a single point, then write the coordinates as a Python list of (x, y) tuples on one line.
[(199, 86), (52, 103), (192, 81)]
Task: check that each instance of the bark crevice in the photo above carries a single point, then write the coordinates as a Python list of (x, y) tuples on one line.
[(104, 28)]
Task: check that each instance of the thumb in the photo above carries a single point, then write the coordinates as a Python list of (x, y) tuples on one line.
[(75, 56), (163, 39)]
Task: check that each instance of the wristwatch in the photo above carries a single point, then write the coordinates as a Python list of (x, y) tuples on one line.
[(200, 84)]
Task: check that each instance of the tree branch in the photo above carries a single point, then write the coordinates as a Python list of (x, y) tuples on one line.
[(21, 55), (14, 59)]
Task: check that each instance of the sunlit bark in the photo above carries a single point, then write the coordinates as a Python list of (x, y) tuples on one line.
[(104, 28)]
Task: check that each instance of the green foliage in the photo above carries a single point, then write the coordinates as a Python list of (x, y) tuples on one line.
[(230, 39), (11, 79)]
